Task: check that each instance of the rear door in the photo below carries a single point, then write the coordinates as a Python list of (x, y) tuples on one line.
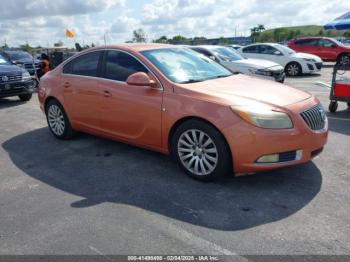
[(82, 95), (251, 51)]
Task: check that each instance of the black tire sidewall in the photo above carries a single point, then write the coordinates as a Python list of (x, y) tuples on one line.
[(67, 129), (333, 106), (224, 165)]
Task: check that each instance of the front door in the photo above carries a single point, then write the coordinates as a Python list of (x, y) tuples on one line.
[(131, 113)]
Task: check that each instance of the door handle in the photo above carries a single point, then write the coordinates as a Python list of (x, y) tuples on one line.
[(66, 85), (107, 94)]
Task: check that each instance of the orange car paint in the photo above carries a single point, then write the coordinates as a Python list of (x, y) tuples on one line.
[(145, 116)]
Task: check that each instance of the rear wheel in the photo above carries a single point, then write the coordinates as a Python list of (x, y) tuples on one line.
[(348, 105), (25, 97), (201, 150), (293, 69), (333, 106), (58, 121)]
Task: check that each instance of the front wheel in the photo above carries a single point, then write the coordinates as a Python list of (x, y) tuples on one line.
[(344, 59), (58, 121), (293, 69), (333, 106), (25, 98), (201, 151)]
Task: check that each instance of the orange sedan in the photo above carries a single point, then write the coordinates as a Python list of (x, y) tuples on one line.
[(175, 101)]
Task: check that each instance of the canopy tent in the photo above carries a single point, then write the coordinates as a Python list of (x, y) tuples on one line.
[(341, 23)]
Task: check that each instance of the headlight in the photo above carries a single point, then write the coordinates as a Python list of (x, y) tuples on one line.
[(263, 117), (26, 76), (310, 60)]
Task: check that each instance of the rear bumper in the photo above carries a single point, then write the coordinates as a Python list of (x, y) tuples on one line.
[(17, 88)]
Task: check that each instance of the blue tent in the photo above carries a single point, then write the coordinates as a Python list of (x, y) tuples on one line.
[(341, 23)]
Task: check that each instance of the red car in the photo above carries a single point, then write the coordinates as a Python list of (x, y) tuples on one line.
[(328, 49)]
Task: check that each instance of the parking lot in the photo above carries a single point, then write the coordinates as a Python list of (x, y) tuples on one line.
[(95, 196)]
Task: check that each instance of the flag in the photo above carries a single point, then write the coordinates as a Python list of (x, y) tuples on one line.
[(69, 34)]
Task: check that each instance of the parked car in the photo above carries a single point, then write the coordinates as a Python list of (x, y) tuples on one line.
[(24, 60), (15, 81), (236, 63), (173, 100), (328, 49), (293, 62)]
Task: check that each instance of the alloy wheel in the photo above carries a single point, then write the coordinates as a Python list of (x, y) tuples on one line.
[(56, 120), (198, 152), (293, 70)]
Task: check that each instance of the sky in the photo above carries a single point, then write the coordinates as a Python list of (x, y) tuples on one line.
[(43, 22)]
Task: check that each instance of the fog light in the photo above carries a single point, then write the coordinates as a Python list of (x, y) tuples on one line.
[(274, 158)]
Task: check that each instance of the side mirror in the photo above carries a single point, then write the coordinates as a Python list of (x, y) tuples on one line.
[(141, 79), (277, 53)]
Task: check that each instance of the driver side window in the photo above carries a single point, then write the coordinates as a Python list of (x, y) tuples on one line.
[(119, 66)]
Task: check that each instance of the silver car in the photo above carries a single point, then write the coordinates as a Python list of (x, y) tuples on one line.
[(236, 63)]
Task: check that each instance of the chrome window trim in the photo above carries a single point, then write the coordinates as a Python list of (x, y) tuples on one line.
[(111, 80)]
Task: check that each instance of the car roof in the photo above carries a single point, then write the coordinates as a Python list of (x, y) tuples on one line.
[(136, 47), (209, 46)]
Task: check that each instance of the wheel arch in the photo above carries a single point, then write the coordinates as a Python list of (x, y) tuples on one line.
[(293, 62), (343, 53), (180, 121)]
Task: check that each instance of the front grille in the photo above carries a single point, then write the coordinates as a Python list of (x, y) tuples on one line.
[(315, 118), (28, 66), (319, 66), (287, 156), (10, 78)]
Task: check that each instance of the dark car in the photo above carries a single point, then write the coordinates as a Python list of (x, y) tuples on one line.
[(329, 49), (24, 60), (15, 81)]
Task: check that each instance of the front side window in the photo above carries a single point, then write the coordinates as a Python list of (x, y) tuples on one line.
[(326, 43), (84, 65), (3, 61), (119, 66), (182, 65), (267, 50), (227, 54)]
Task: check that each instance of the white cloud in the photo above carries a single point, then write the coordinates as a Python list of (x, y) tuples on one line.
[(42, 22)]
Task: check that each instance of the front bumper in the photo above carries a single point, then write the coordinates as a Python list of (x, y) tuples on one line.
[(16, 88), (249, 143)]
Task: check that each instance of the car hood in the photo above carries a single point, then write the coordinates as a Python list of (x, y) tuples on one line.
[(258, 64), (305, 55), (10, 69), (242, 89)]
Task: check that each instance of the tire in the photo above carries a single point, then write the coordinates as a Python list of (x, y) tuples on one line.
[(348, 105), (343, 59), (58, 121), (293, 69), (25, 98), (333, 106), (205, 161)]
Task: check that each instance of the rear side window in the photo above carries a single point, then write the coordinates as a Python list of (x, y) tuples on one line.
[(84, 65), (267, 50), (251, 49), (119, 66)]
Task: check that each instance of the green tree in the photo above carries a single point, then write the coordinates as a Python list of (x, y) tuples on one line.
[(139, 36), (179, 38), (223, 41), (163, 39), (26, 48)]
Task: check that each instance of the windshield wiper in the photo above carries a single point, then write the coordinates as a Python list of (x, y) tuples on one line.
[(191, 81)]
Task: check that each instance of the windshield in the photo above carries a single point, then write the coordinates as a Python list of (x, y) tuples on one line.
[(3, 61), (286, 49), (182, 65), (227, 54), (20, 56)]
